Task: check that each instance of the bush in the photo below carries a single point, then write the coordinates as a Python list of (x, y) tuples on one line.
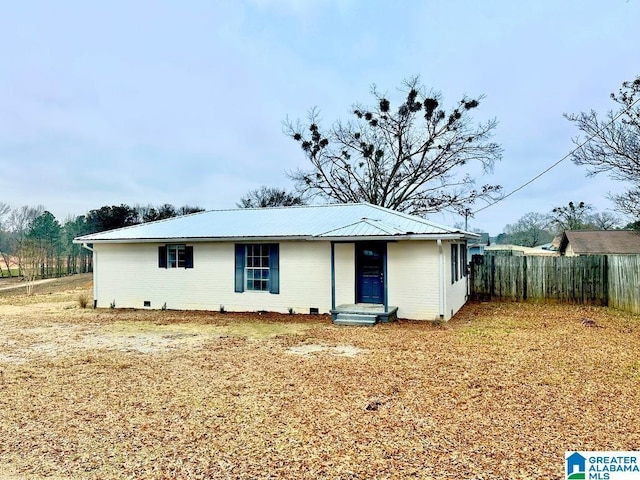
[(83, 300)]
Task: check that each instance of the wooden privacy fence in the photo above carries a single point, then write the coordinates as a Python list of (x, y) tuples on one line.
[(624, 282), (612, 280)]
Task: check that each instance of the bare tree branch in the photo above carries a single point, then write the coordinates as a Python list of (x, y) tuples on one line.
[(613, 144), (410, 158), (269, 197)]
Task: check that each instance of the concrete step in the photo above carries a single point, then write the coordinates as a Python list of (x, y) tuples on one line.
[(355, 319)]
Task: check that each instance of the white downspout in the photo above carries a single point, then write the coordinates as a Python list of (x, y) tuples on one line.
[(94, 262), (442, 284)]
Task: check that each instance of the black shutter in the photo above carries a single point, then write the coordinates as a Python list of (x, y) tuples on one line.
[(162, 256), (188, 256), (274, 268), (464, 260), (239, 276), (454, 263)]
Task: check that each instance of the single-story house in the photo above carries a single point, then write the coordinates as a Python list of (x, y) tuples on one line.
[(342, 258), (518, 250), (476, 247), (600, 242)]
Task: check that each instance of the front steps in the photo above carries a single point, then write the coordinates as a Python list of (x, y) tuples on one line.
[(355, 319), (367, 314)]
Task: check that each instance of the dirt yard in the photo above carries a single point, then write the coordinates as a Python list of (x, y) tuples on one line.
[(501, 391)]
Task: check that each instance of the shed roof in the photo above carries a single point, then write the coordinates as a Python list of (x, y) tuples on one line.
[(601, 242), (336, 221)]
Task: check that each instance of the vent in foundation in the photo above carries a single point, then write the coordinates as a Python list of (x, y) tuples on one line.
[(314, 311), (147, 303)]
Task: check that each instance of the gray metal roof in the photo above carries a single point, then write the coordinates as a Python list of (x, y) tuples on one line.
[(336, 221)]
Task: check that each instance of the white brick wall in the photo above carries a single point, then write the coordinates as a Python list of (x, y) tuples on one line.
[(128, 275), (455, 293), (345, 264), (413, 285)]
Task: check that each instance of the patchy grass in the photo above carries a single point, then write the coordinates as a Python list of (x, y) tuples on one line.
[(501, 391)]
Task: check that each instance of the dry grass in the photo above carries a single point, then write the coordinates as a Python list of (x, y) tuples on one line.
[(499, 392)]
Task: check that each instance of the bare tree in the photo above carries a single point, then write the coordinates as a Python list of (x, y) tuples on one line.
[(269, 197), (530, 230), (613, 144), (4, 210), (150, 213), (605, 221), (574, 216), (32, 256), (409, 159), (189, 209), (19, 222), (5, 241)]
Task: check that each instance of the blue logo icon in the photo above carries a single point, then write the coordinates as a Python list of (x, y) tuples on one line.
[(576, 467)]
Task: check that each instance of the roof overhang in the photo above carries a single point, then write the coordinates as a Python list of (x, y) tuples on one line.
[(361, 238)]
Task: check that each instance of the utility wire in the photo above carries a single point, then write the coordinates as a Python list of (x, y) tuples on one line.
[(561, 160)]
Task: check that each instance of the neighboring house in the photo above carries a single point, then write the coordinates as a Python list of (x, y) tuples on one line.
[(600, 242), (343, 258), (519, 250), (476, 247)]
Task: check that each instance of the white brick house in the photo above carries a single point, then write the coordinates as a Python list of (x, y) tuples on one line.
[(308, 258)]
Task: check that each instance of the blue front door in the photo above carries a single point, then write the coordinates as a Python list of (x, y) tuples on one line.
[(370, 272)]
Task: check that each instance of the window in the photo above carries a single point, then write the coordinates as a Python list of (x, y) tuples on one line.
[(454, 263), (257, 267), (175, 256), (463, 261)]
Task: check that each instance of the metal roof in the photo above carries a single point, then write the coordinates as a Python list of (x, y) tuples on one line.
[(312, 222)]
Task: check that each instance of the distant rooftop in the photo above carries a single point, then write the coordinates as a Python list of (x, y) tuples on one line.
[(336, 221), (540, 251), (601, 242)]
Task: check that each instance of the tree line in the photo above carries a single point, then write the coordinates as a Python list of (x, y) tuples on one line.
[(34, 244)]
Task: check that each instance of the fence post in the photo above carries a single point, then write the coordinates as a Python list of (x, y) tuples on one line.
[(524, 278), (605, 281), (492, 277)]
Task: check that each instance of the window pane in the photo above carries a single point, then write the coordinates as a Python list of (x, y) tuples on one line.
[(176, 256), (257, 267)]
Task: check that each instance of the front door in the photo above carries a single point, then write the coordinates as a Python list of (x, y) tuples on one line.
[(370, 272)]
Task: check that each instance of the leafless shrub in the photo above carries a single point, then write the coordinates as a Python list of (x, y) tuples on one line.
[(83, 300)]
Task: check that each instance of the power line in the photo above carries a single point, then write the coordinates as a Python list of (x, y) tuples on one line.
[(561, 160)]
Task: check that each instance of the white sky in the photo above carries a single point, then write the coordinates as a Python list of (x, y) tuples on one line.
[(182, 102)]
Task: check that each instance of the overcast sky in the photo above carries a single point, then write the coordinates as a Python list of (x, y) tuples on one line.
[(156, 102)]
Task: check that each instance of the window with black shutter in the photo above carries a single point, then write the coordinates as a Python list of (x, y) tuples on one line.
[(257, 267), (175, 256)]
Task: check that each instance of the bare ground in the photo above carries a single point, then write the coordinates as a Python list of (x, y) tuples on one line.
[(499, 392)]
